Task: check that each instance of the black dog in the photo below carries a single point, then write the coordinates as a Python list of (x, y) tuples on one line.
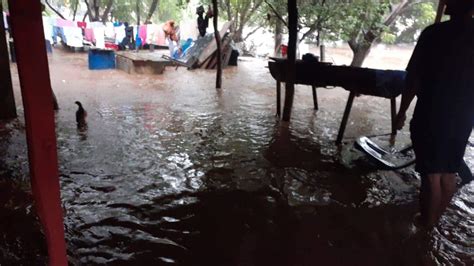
[(81, 115)]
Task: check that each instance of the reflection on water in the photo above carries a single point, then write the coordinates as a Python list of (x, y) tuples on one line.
[(181, 174)]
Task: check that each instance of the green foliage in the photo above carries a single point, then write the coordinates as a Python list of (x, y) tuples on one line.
[(388, 38), (362, 16), (125, 10), (322, 18), (413, 21), (244, 13), (168, 9)]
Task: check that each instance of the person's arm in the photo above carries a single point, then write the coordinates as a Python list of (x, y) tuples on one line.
[(412, 85), (412, 80)]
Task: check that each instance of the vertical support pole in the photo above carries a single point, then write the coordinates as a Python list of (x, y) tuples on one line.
[(440, 10), (393, 114), (322, 53), (217, 36), (315, 98), (7, 99), (291, 61), (345, 118), (37, 97), (278, 98)]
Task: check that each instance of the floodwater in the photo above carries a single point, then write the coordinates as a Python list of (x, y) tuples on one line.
[(172, 171)]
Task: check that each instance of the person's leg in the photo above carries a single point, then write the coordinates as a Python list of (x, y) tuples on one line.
[(436, 193), (430, 199), (448, 188)]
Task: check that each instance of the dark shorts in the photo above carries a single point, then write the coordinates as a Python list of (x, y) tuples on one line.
[(437, 154)]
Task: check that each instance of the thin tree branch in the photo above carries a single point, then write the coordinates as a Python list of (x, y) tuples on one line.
[(55, 11), (276, 13), (310, 31), (252, 32)]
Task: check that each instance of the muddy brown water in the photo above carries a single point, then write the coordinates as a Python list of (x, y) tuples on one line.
[(172, 172)]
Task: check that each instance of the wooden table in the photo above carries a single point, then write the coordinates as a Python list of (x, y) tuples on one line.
[(354, 79)]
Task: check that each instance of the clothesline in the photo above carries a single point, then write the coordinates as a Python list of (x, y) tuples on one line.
[(76, 33)]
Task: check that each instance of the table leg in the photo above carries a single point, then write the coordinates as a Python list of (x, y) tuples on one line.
[(315, 98), (345, 117), (393, 112)]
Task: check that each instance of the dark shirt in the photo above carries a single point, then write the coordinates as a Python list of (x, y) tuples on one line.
[(443, 60), (203, 23)]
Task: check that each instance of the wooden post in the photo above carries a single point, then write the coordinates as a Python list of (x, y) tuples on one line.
[(440, 11), (291, 61), (7, 99), (218, 41), (278, 98), (36, 92)]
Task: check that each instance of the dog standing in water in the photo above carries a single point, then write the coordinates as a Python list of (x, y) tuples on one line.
[(81, 115)]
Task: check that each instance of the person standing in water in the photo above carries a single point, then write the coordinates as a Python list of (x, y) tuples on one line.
[(441, 74)]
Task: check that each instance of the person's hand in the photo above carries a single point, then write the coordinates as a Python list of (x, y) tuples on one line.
[(400, 121)]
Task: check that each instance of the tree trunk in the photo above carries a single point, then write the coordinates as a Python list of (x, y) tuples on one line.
[(360, 54), (237, 35), (85, 16), (91, 11), (153, 6), (106, 13), (362, 42), (291, 71), (278, 37), (218, 41), (55, 11), (74, 10), (138, 12), (96, 7)]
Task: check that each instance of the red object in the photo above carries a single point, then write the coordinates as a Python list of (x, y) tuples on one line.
[(112, 46), (81, 24), (37, 97), (284, 50)]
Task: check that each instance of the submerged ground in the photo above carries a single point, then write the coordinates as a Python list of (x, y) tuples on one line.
[(171, 171)]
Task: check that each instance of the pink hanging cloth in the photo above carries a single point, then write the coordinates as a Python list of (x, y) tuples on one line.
[(65, 23), (89, 35), (142, 33)]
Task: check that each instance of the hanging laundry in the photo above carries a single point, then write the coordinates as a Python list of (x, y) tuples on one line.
[(48, 29), (150, 33), (109, 31), (160, 37), (73, 36), (135, 31), (82, 24), (96, 24), (119, 33), (89, 35), (142, 33), (64, 23), (99, 37)]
